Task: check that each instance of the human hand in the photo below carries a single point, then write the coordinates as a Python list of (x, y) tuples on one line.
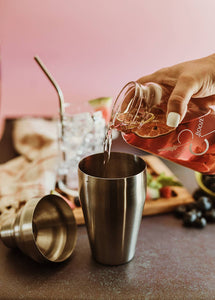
[(185, 81)]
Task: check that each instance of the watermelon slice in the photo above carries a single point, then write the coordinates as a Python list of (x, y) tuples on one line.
[(104, 104)]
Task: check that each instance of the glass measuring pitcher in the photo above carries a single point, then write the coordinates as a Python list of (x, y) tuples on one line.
[(139, 112)]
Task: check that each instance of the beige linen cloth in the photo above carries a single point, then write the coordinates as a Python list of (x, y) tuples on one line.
[(33, 172)]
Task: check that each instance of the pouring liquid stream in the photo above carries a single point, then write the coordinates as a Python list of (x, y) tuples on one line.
[(107, 145)]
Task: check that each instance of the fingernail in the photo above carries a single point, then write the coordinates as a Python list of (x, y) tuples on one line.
[(173, 119)]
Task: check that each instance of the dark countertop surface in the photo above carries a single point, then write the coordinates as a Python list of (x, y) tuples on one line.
[(171, 261)]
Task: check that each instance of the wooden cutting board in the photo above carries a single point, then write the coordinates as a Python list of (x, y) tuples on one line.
[(162, 205)]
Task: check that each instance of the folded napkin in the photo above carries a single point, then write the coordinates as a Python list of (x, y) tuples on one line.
[(33, 173)]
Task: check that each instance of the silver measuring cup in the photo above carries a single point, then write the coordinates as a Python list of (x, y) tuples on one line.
[(112, 198)]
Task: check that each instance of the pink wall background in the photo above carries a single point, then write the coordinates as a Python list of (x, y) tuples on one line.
[(93, 47)]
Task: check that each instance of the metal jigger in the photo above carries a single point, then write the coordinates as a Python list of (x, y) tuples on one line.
[(45, 229)]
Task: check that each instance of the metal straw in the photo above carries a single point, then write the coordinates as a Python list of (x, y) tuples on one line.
[(59, 92), (61, 104)]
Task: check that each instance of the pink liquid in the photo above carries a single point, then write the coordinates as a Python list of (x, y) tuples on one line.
[(191, 144)]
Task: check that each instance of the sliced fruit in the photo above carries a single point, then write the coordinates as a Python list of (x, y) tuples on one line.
[(103, 104), (152, 193), (166, 192), (153, 129), (130, 121)]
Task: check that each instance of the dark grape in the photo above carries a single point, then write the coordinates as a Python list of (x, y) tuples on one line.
[(191, 206), (212, 199), (180, 210), (200, 222), (209, 182), (212, 187), (198, 193), (189, 219), (197, 212), (210, 215), (204, 203)]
